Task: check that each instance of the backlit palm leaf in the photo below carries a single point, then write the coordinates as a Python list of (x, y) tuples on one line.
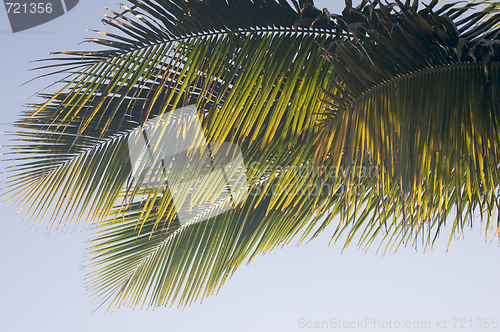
[(242, 76), (381, 148), (418, 96)]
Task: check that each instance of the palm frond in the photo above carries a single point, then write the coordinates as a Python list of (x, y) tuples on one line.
[(410, 95), (177, 264), (241, 74), (253, 83), (417, 95)]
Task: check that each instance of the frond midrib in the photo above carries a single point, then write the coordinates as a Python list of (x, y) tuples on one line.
[(200, 35), (417, 73)]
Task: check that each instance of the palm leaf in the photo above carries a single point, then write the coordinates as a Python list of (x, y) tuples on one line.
[(242, 77), (252, 71), (417, 94), (240, 74)]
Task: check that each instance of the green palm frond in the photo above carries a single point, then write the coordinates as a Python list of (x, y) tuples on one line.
[(243, 78), (241, 73), (417, 94), (152, 260), (396, 124), (180, 265)]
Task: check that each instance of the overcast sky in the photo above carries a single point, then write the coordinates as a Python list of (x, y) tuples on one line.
[(42, 284)]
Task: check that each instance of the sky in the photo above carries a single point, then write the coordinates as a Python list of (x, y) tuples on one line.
[(42, 279)]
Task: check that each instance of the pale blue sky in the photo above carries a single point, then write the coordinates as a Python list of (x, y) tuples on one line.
[(42, 285)]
